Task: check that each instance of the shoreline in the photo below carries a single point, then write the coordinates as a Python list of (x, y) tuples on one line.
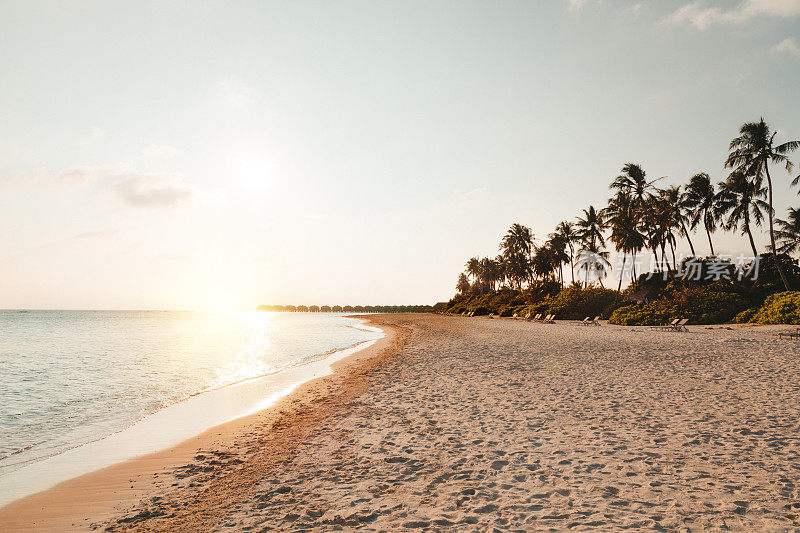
[(99, 495)]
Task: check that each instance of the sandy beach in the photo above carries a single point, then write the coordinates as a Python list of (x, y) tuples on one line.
[(486, 424)]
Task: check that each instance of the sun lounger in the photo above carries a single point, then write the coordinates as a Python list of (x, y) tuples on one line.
[(665, 327), (680, 326), (596, 321), (585, 321), (550, 319), (537, 318), (790, 334)]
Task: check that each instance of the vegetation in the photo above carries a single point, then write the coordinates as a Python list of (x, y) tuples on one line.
[(781, 308), (528, 274), (348, 308)]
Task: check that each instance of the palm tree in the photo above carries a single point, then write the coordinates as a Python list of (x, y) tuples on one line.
[(557, 245), (788, 232), (591, 226), (463, 284), (676, 202), (751, 153), (633, 181), (518, 239), (474, 268), (591, 258), (624, 221), (543, 262), (516, 248), (566, 232), (701, 199), (741, 199)]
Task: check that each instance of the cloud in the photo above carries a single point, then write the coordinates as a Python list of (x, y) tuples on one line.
[(153, 190), (159, 150), (576, 5), (701, 15), (86, 175), (471, 199), (786, 46)]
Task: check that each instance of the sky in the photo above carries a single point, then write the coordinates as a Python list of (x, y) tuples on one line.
[(221, 155)]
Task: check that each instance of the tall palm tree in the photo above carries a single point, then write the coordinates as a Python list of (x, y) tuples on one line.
[(633, 181), (752, 152), (624, 221), (557, 245), (701, 199), (463, 284), (788, 232), (490, 273), (566, 231), (474, 268), (741, 200), (591, 226), (543, 262), (593, 259), (676, 201), (518, 239)]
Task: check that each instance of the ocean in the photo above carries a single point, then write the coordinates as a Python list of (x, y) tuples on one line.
[(84, 389)]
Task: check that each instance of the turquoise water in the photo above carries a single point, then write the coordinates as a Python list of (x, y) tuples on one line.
[(74, 377)]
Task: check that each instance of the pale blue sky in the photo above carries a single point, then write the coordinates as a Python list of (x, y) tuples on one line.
[(225, 154)]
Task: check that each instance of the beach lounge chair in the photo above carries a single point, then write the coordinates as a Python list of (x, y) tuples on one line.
[(585, 321), (537, 318), (680, 326), (596, 321), (665, 327), (790, 334), (550, 319)]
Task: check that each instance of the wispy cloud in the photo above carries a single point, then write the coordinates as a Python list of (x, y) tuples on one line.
[(153, 190), (86, 175), (702, 14), (133, 188), (786, 46)]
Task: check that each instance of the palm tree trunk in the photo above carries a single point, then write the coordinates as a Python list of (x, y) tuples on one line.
[(750, 236), (571, 265), (633, 268), (621, 272), (708, 233), (674, 263), (686, 232), (772, 231)]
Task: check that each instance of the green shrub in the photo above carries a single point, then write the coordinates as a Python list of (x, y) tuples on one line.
[(745, 316), (698, 304), (575, 304), (481, 310), (780, 308)]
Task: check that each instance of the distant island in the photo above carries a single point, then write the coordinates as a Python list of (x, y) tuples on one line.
[(347, 308)]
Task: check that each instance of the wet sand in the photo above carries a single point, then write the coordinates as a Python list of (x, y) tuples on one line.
[(473, 423)]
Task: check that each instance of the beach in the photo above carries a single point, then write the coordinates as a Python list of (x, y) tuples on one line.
[(477, 423)]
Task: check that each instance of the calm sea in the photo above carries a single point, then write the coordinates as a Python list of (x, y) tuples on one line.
[(74, 377)]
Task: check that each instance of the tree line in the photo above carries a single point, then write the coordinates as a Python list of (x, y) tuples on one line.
[(347, 308), (641, 216)]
